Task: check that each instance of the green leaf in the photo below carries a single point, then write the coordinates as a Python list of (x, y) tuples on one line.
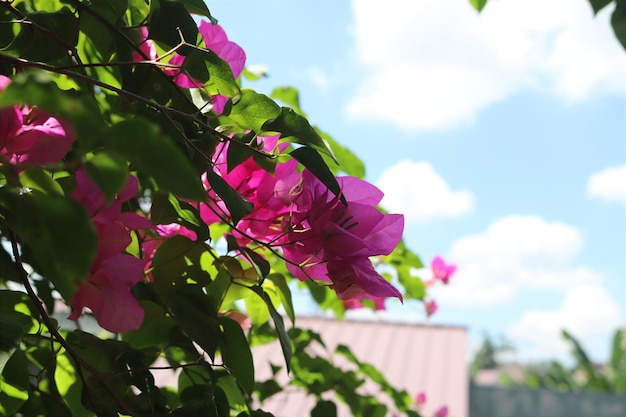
[(347, 160), (200, 8), (197, 317), (618, 21), (109, 172), (155, 329), (295, 128), (151, 152), (14, 384), (285, 294), (290, 96), (324, 408), (167, 209), (236, 400), (478, 4), (39, 179), (49, 39), (598, 5), (236, 353), (253, 110), (314, 163), (285, 343), (212, 71), (42, 223), (171, 20), (237, 206)]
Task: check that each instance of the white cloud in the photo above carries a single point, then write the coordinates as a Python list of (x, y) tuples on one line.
[(513, 254), (416, 190), (433, 64), (589, 313), (609, 184)]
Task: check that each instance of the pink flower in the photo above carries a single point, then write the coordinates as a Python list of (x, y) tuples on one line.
[(431, 307), (441, 270), (242, 319), (353, 304), (215, 40), (442, 412), (32, 136), (420, 398), (146, 46), (107, 291), (330, 241)]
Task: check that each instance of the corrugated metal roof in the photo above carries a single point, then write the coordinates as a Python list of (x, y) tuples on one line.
[(417, 358)]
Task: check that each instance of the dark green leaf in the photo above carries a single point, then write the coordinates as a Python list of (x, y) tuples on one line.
[(169, 22), (295, 128), (200, 8), (324, 408), (150, 151), (237, 206), (313, 161), (195, 314), (598, 5), (14, 383), (236, 353), (167, 209), (253, 110), (285, 343), (109, 172), (50, 38), (42, 222), (285, 294), (618, 21)]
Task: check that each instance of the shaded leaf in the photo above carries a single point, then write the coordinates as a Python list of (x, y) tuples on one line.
[(109, 172), (313, 161), (150, 151), (236, 353), (237, 206), (42, 223), (171, 20)]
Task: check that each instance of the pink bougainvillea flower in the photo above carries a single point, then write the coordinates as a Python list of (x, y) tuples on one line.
[(146, 46), (442, 412), (441, 270), (431, 307), (330, 241), (215, 40), (420, 399), (30, 136), (107, 291)]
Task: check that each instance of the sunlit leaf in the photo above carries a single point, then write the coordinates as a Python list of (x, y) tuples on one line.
[(295, 128)]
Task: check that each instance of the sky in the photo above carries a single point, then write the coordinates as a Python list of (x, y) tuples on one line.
[(500, 136)]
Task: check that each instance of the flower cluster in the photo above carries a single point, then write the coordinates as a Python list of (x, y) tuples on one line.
[(30, 136), (113, 272)]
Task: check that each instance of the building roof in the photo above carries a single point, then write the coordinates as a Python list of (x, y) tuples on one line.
[(417, 358)]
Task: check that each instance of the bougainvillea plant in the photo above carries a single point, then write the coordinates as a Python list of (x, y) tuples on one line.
[(153, 208)]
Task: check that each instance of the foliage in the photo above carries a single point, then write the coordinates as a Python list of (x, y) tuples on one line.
[(584, 375), (143, 187)]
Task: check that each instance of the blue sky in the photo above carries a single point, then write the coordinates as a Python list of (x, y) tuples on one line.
[(500, 136)]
